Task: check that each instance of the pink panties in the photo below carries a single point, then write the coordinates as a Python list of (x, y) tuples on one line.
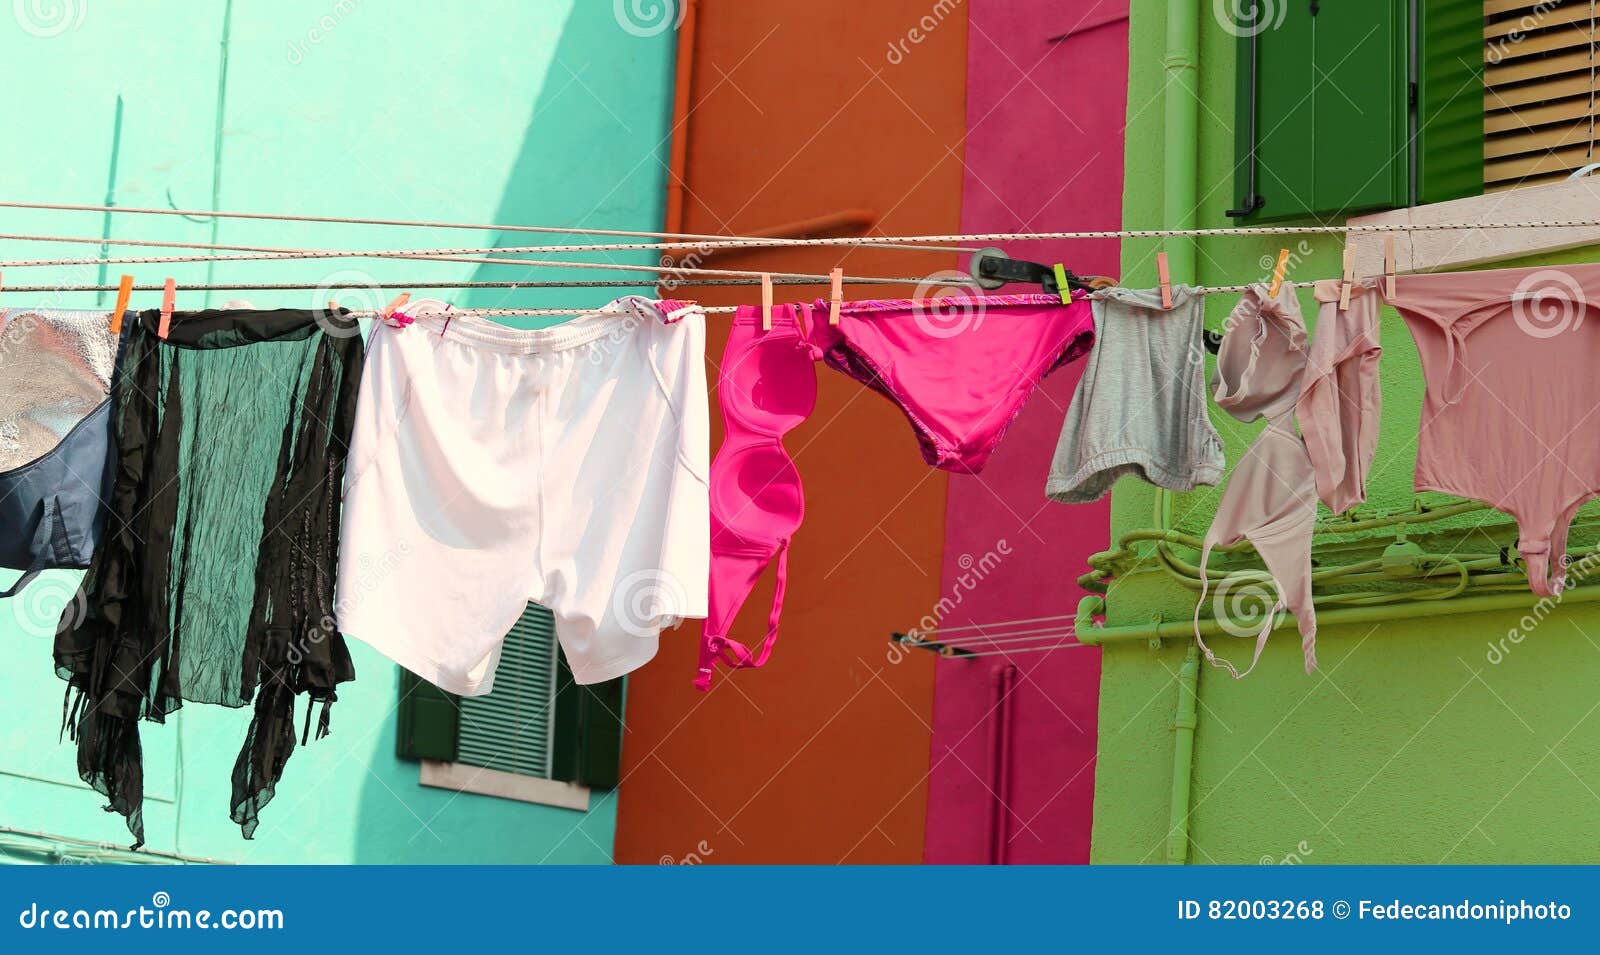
[(959, 368)]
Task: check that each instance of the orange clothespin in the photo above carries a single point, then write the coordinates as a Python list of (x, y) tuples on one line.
[(1388, 266), (1165, 276), (389, 310), (1278, 272), (836, 295), (766, 302), (1349, 277), (124, 292), (168, 295)]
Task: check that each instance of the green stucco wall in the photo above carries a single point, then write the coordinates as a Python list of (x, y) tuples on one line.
[(1413, 743), (511, 112)]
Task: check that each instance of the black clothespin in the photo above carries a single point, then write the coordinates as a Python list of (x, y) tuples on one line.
[(992, 268)]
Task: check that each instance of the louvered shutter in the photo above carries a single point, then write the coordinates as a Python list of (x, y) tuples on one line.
[(537, 722), (512, 728), (1539, 94)]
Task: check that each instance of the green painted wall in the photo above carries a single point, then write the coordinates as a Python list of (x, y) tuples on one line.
[(1414, 743), (513, 112)]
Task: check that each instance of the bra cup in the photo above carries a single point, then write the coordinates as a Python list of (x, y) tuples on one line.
[(775, 387), (756, 494)]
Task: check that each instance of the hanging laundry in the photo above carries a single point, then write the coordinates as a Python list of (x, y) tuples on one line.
[(493, 466), (1509, 420), (55, 437), (214, 580), (1271, 497), (767, 386), (1140, 407), (1340, 403), (960, 384)]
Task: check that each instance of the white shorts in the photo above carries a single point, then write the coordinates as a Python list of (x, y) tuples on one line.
[(492, 466)]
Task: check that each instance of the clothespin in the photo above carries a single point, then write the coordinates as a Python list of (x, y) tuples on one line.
[(766, 302), (168, 294), (1349, 277), (124, 292), (1062, 288), (389, 310), (1165, 276), (1388, 266), (1277, 273), (836, 295)]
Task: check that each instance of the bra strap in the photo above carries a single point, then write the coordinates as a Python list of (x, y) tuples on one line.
[(732, 652)]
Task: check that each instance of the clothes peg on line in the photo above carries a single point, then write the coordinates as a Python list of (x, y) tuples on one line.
[(169, 294), (1388, 266), (835, 295), (390, 309), (124, 292), (1164, 274), (1349, 277), (1063, 288), (766, 302), (1278, 273)]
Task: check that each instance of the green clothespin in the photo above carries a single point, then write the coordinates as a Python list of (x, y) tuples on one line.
[(1061, 284)]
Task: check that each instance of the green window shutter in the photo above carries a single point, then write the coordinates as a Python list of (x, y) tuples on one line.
[(1450, 101), (1331, 107), (427, 720), (537, 722), (512, 728), (589, 747)]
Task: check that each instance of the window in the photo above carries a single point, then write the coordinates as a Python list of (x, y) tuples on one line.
[(1343, 107), (538, 737), (1538, 104)]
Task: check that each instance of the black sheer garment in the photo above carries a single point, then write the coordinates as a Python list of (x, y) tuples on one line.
[(214, 580)]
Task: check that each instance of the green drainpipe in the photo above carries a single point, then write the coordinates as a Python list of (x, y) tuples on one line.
[(1180, 175), (1183, 724)]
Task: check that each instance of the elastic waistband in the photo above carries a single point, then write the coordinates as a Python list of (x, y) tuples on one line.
[(782, 315), (617, 318)]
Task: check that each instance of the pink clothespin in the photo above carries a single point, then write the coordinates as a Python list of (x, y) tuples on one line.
[(393, 316), (1164, 275), (169, 293), (1388, 266), (835, 295), (1349, 277), (766, 302)]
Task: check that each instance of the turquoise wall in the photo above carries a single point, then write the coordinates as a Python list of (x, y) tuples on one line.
[(1418, 741), (511, 112)]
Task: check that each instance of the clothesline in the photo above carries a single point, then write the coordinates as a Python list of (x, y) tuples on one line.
[(304, 286), (708, 241)]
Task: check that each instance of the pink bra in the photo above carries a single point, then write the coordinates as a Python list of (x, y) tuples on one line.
[(767, 386)]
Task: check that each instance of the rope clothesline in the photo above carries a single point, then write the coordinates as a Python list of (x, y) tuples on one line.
[(708, 241), (281, 253)]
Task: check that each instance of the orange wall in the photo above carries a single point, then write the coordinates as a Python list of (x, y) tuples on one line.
[(795, 110)]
